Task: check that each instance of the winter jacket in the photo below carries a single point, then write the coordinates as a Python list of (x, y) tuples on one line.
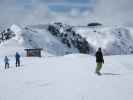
[(17, 56), (99, 57), (6, 60)]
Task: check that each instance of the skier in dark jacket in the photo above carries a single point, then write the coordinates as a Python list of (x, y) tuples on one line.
[(99, 60), (17, 56)]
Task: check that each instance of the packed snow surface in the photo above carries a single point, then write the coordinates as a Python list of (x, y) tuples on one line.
[(70, 77)]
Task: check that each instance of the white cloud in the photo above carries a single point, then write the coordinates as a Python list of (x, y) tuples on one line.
[(114, 11), (106, 11), (14, 13), (75, 12)]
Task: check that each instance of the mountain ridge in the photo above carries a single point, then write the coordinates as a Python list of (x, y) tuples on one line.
[(113, 40)]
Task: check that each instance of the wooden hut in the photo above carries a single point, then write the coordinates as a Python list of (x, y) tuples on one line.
[(33, 52)]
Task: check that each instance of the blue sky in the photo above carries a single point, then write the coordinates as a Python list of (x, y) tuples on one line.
[(58, 5)]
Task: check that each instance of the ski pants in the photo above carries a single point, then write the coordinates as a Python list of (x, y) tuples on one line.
[(17, 62), (99, 66), (6, 65)]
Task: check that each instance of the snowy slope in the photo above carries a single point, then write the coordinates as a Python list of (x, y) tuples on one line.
[(113, 40), (70, 77), (68, 37), (11, 46), (34, 37), (41, 37)]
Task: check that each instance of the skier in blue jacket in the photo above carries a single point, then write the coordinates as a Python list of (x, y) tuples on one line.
[(17, 56)]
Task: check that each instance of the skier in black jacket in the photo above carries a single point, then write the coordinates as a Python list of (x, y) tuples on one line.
[(99, 60)]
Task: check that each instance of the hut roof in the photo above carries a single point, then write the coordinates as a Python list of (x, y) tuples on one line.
[(34, 49)]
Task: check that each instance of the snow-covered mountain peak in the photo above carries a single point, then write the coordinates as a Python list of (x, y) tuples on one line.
[(16, 29), (18, 33), (61, 39)]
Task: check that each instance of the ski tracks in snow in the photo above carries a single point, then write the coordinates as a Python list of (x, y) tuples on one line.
[(37, 83)]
